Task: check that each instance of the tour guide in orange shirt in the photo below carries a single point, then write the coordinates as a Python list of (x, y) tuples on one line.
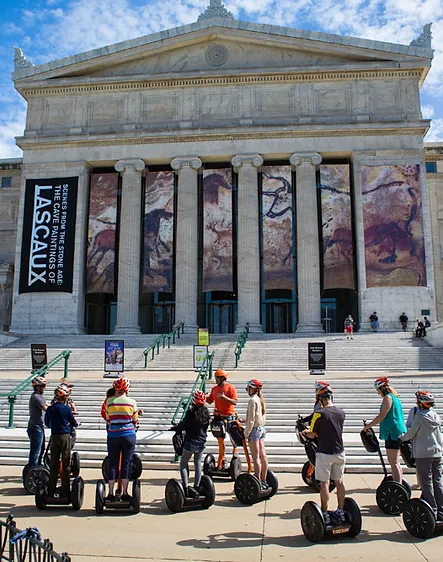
[(224, 397)]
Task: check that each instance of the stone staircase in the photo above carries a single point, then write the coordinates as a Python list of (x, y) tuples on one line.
[(285, 400)]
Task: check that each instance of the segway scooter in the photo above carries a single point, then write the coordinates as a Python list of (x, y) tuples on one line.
[(391, 496), (176, 499), (315, 528), (420, 520), (134, 503), (249, 491)]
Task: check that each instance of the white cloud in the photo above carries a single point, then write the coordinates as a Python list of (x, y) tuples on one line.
[(12, 124), (435, 133), (428, 111)]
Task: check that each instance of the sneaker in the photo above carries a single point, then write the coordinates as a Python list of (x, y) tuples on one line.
[(326, 518), (264, 485), (110, 498), (192, 492), (341, 515), (126, 498)]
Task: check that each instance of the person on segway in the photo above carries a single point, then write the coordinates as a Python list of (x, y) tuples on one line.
[(255, 431), (224, 397), (60, 418), (195, 425), (36, 426), (122, 418), (330, 458), (392, 424), (427, 449)]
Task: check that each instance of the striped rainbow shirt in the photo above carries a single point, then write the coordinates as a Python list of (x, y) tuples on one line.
[(121, 413)]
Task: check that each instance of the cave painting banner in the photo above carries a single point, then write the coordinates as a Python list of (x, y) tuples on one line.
[(217, 230), (336, 218), (277, 227), (393, 226), (100, 256), (158, 232)]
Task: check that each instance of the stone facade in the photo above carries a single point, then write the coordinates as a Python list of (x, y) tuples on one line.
[(225, 91)]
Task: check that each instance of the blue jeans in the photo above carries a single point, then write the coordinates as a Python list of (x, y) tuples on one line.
[(125, 446), (36, 434)]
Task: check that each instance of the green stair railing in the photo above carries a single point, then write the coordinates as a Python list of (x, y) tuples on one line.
[(15, 392), (241, 343), (161, 341)]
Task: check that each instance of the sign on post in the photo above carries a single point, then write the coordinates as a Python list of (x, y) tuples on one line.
[(39, 355), (203, 336), (114, 356), (200, 352), (317, 357)]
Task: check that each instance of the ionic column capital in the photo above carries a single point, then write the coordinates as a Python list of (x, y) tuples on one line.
[(180, 162), (254, 160), (305, 158), (130, 165)]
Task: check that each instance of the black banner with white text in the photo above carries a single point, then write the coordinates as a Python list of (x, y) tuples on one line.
[(48, 235)]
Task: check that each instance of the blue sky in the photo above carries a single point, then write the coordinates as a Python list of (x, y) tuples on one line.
[(50, 29)]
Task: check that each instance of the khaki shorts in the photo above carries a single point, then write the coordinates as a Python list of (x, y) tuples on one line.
[(329, 467)]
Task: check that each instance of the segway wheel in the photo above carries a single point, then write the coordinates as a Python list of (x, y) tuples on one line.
[(136, 496), (174, 496), (75, 464), (207, 490), (354, 514), (41, 493), (100, 497), (105, 466), (307, 472), (312, 522), (209, 465), (136, 467), (272, 482), (247, 489), (77, 493), (235, 468), (33, 475), (419, 519), (391, 497), (404, 483)]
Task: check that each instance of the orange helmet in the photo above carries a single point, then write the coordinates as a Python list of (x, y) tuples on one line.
[(221, 373), (425, 398), (321, 386), (198, 398), (380, 382), (324, 391), (122, 384), (38, 381), (255, 383), (61, 391)]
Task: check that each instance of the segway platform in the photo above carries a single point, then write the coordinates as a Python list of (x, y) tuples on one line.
[(316, 529), (249, 491), (75, 498), (232, 471), (176, 499), (102, 504)]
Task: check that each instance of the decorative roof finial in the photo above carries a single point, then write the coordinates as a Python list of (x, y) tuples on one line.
[(215, 10), (20, 61), (423, 40)]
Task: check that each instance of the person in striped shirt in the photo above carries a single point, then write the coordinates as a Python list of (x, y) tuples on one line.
[(122, 418)]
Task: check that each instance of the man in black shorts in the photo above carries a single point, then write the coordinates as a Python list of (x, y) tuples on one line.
[(327, 427)]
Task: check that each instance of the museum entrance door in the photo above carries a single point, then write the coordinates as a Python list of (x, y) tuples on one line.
[(278, 317), (98, 314), (221, 318)]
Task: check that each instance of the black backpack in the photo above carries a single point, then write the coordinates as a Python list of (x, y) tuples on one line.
[(177, 443)]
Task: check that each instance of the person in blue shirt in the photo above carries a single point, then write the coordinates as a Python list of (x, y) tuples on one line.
[(60, 418)]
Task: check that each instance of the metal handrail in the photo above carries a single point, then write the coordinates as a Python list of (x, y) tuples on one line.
[(162, 340), (241, 342), (16, 391)]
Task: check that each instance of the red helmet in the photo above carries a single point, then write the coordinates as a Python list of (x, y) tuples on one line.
[(221, 373), (324, 391), (122, 384), (61, 391), (425, 398), (380, 382), (198, 398), (38, 381), (321, 385), (255, 383)]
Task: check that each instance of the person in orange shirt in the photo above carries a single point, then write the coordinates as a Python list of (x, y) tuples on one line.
[(224, 397)]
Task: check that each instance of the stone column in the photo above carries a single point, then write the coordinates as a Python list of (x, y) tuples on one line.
[(129, 247), (308, 252), (186, 248), (248, 242)]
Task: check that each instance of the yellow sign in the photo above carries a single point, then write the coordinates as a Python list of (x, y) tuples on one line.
[(203, 336)]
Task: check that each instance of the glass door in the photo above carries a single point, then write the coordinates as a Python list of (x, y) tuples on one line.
[(278, 318)]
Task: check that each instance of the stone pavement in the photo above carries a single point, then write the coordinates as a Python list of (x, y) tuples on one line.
[(228, 532)]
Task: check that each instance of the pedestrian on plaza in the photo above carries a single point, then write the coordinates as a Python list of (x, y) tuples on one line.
[(420, 329), (36, 426), (426, 324), (60, 418), (427, 449), (392, 424), (330, 458), (374, 321), (122, 419), (195, 425), (403, 321), (224, 397), (255, 431), (349, 327)]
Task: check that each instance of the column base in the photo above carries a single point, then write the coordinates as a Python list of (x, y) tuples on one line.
[(253, 328), (310, 329), (126, 331)]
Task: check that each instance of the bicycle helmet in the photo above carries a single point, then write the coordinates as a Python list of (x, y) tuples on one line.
[(198, 398), (425, 398), (255, 383), (381, 382), (122, 384), (38, 381), (325, 391), (221, 373), (321, 385), (67, 387), (61, 391)]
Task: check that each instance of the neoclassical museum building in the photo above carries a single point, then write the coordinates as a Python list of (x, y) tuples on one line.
[(219, 173)]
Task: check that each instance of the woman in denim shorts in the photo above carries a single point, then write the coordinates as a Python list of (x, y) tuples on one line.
[(255, 430)]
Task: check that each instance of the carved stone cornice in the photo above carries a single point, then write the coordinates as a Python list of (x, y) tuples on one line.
[(180, 162), (299, 158), (131, 165), (240, 160)]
